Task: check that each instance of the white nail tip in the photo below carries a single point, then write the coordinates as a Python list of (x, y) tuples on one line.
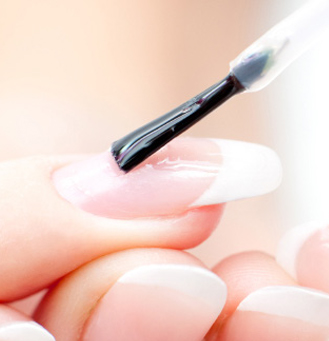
[(27, 331), (190, 280), (288, 301), (247, 170), (292, 242)]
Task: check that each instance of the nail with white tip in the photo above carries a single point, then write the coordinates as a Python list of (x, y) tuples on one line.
[(246, 170), (27, 331), (292, 242), (188, 172), (299, 303), (158, 302)]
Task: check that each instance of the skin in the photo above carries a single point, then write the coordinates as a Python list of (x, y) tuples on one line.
[(32, 224), (89, 254)]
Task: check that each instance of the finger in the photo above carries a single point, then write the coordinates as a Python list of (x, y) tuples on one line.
[(44, 236), (303, 252), (245, 273), (274, 313), (14, 326), (137, 295), (186, 173), (264, 304)]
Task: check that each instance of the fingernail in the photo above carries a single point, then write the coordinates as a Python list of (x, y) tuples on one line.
[(27, 331), (186, 173), (303, 252), (288, 301), (158, 302), (280, 313), (246, 170)]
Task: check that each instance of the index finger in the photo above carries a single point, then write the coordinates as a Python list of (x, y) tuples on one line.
[(44, 236)]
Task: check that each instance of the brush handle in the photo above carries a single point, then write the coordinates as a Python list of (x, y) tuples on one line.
[(266, 58)]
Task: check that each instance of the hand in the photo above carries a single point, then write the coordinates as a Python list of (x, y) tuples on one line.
[(107, 237), (286, 299)]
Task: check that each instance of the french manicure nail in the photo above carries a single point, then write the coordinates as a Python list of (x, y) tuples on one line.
[(158, 302), (299, 303), (280, 313), (292, 242), (303, 252), (246, 170), (186, 173), (27, 331)]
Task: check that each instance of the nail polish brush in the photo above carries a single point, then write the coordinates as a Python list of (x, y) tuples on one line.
[(251, 71)]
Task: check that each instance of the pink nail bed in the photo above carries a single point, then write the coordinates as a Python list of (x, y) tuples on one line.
[(158, 302), (186, 173), (280, 313), (167, 183)]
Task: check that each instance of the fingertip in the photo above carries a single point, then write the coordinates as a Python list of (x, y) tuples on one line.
[(172, 302), (243, 274), (279, 313), (247, 170), (248, 271), (144, 294), (41, 228), (291, 243)]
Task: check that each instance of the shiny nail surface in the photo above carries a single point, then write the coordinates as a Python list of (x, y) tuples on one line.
[(186, 173)]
